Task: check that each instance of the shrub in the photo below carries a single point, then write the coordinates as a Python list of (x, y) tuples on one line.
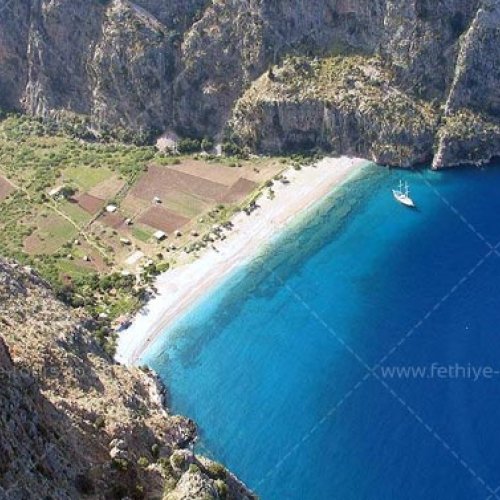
[(189, 146), (100, 422), (222, 489), (207, 144), (193, 469), (155, 450), (119, 464), (216, 471), (178, 460), (230, 148)]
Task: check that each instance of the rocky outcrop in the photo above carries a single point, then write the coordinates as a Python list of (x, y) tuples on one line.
[(342, 104), (471, 129), (73, 423), (467, 138), (135, 69), (220, 55), (136, 49)]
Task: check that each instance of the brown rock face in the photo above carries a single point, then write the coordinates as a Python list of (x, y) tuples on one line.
[(347, 105), (134, 69)]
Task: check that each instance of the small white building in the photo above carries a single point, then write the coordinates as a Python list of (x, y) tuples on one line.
[(156, 200), (111, 209), (56, 191), (125, 241), (159, 235)]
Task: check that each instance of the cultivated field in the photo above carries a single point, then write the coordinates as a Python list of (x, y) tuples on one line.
[(51, 233), (163, 219), (160, 181), (68, 232), (54, 195), (171, 197), (89, 203), (241, 188)]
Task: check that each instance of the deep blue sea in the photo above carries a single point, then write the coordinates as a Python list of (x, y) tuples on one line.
[(291, 367)]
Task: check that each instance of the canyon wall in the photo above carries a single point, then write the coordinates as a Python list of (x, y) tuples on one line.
[(144, 67)]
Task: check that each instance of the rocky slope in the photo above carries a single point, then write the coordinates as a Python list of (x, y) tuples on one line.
[(345, 104), (139, 68), (73, 424)]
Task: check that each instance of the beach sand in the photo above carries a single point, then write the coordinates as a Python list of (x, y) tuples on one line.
[(181, 287)]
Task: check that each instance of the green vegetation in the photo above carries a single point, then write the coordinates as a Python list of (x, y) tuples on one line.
[(189, 146), (86, 177), (231, 148), (40, 230), (155, 451), (216, 471), (141, 234), (193, 145), (77, 214)]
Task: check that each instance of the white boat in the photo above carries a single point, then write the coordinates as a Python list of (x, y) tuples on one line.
[(403, 196)]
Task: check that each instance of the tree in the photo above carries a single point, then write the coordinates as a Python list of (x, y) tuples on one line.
[(207, 144), (189, 145)]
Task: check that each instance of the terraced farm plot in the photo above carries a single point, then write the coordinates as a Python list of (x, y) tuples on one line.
[(107, 189), (112, 220), (163, 219), (90, 203), (159, 181), (214, 172), (238, 191), (76, 212), (6, 188), (142, 233), (186, 204), (257, 170), (53, 231), (86, 178)]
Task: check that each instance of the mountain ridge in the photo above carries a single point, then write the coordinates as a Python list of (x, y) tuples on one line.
[(138, 69)]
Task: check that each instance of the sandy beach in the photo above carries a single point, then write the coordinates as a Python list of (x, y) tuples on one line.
[(180, 287)]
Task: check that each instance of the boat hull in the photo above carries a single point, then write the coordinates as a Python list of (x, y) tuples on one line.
[(403, 199)]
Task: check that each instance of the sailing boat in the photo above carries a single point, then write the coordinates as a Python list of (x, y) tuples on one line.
[(403, 196)]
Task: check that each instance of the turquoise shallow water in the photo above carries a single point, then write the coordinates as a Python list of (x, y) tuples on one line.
[(280, 366)]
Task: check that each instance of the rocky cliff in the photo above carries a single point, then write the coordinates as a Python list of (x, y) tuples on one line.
[(139, 68), (73, 424)]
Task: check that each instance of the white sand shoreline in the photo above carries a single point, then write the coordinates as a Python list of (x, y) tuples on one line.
[(181, 287)]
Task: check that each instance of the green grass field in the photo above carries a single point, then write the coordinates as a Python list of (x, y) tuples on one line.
[(75, 212), (85, 178), (142, 234)]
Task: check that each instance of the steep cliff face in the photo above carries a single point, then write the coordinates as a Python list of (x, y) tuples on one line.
[(220, 55), (136, 49), (74, 423), (420, 40), (348, 105), (471, 128), (14, 32), (60, 35), (150, 65)]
